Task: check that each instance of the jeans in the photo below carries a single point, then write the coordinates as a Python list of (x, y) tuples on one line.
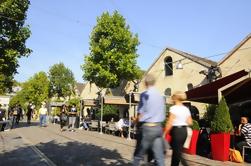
[(179, 135), (72, 120), (42, 119), (151, 139)]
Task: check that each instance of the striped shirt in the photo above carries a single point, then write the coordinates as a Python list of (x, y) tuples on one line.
[(246, 131)]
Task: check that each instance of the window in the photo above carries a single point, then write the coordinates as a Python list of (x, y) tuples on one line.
[(168, 66), (189, 86), (168, 92)]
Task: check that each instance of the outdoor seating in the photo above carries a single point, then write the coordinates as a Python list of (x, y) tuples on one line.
[(244, 150), (94, 125), (110, 128)]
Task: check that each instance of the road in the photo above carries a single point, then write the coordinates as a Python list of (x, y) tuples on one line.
[(35, 146)]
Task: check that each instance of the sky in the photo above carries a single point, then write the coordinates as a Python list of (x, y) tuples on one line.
[(61, 29)]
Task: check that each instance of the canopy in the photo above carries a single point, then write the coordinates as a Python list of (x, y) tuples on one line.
[(208, 93)]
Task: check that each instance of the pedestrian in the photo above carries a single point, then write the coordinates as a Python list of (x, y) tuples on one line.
[(19, 113), (178, 121), (11, 117), (72, 117), (42, 115), (151, 113), (29, 113), (63, 117), (2, 118)]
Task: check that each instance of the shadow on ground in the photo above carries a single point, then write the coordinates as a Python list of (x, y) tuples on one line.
[(64, 154)]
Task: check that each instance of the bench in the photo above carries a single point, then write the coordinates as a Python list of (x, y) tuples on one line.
[(94, 125), (110, 129), (243, 151)]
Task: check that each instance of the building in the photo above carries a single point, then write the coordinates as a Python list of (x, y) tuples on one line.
[(235, 84)]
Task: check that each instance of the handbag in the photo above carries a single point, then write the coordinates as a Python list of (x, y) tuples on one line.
[(64, 117), (235, 156), (189, 137)]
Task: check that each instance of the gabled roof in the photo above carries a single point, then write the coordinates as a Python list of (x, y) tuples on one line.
[(235, 49), (80, 87), (202, 61)]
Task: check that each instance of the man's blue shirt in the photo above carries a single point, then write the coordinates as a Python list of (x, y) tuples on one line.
[(151, 106)]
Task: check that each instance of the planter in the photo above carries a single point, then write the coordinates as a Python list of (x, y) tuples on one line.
[(220, 144), (193, 144)]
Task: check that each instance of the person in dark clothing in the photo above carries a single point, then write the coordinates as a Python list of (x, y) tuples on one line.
[(63, 117), (2, 118), (19, 113), (29, 113)]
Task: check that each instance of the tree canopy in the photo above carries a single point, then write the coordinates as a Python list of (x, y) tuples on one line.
[(13, 35), (62, 82), (113, 54), (35, 90)]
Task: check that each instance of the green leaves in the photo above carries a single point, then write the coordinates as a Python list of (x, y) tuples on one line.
[(36, 89), (62, 81), (195, 125), (221, 122), (13, 35), (112, 57)]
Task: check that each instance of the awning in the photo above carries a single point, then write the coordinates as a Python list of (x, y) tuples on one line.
[(239, 92), (208, 93), (89, 102), (116, 100)]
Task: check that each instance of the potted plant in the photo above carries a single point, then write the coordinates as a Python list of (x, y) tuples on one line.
[(195, 135), (221, 126)]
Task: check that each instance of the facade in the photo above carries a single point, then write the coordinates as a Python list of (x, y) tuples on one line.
[(176, 70), (237, 59)]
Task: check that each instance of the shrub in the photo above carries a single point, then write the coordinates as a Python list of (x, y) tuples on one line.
[(195, 125), (209, 114), (109, 112), (221, 122)]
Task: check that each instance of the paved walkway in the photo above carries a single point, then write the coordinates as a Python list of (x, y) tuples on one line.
[(35, 146)]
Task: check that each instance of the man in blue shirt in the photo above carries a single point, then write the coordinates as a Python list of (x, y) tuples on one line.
[(151, 113)]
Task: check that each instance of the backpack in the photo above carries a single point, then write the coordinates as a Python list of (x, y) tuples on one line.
[(235, 156)]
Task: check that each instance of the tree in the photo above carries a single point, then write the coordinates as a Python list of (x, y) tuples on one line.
[(62, 82), (112, 55), (35, 90), (13, 35)]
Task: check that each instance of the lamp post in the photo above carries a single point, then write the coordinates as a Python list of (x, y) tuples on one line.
[(130, 106), (101, 114)]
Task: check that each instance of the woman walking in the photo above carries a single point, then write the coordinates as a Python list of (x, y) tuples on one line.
[(178, 120), (63, 117)]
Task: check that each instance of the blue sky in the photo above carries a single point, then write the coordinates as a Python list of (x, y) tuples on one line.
[(61, 29)]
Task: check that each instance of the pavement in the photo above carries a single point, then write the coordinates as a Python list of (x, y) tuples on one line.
[(31, 145)]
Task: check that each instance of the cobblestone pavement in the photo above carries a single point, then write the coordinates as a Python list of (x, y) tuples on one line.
[(35, 146)]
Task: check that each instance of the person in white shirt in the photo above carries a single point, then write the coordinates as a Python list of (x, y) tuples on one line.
[(120, 126), (177, 122), (42, 115)]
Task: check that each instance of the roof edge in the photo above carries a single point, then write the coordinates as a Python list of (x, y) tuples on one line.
[(242, 42)]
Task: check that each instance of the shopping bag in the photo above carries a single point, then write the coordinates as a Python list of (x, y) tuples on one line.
[(235, 156), (188, 139)]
